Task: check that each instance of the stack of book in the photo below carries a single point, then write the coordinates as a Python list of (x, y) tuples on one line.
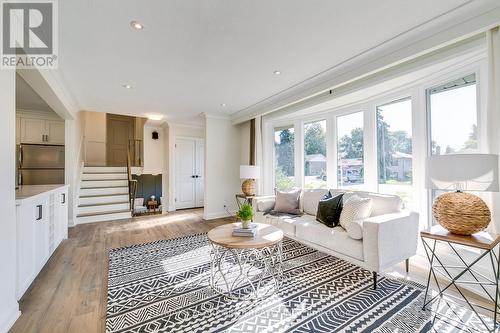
[(242, 232)]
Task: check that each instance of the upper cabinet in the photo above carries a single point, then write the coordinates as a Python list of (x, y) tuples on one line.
[(39, 128), (55, 131)]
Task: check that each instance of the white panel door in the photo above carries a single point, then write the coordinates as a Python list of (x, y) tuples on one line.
[(200, 168), (185, 172)]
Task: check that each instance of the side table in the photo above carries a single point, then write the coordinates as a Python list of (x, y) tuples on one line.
[(243, 199), (152, 206), (484, 243)]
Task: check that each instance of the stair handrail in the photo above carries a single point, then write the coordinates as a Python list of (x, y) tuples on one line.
[(132, 185)]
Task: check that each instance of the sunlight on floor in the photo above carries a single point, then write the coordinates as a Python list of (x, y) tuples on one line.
[(146, 222)]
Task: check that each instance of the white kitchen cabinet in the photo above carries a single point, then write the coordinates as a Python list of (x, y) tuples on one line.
[(55, 132), (32, 130), (42, 223), (37, 130)]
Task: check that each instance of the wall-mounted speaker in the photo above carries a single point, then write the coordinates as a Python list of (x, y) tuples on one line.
[(155, 135)]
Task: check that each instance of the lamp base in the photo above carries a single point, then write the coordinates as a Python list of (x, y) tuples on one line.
[(248, 187), (461, 213)]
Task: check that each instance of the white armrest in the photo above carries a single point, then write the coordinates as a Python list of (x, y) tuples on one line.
[(389, 239), (264, 203)]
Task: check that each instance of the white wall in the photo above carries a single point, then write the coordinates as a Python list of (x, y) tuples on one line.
[(74, 157), (9, 309), (222, 161), (154, 151)]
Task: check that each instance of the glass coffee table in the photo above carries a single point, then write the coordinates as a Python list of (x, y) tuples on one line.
[(246, 268)]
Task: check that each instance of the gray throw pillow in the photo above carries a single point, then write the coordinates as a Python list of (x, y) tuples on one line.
[(287, 202)]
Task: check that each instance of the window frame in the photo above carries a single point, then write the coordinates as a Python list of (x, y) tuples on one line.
[(416, 91), (303, 124)]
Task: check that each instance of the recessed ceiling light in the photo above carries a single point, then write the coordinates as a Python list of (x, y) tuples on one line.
[(155, 117), (127, 86), (277, 72), (136, 25), (223, 105)]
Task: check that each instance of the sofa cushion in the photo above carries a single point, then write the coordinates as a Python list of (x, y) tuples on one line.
[(355, 208), (287, 202), (265, 205), (288, 223), (335, 239), (329, 209), (381, 203), (310, 199)]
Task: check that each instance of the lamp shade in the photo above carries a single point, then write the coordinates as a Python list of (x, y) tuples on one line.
[(249, 172), (470, 172)]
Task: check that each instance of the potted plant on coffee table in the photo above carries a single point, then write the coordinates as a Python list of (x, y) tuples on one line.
[(245, 214)]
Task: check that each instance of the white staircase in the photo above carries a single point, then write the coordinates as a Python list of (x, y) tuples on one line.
[(103, 195)]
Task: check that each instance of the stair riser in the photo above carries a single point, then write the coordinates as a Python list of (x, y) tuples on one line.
[(102, 176), (105, 199), (103, 191), (102, 218), (104, 169), (103, 208), (103, 183)]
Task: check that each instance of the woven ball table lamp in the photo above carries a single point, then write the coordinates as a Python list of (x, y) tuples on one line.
[(460, 212), (249, 173)]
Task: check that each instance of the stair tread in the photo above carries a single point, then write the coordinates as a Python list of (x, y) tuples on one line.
[(103, 180), (103, 195), (104, 204), (104, 213), (105, 172), (94, 187)]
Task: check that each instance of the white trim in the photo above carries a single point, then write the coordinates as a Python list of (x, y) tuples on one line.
[(215, 116), (216, 215)]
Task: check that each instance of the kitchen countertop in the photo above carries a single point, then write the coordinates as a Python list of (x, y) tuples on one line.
[(29, 191)]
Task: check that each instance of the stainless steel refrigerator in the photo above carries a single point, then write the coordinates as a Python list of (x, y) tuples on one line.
[(40, 164)]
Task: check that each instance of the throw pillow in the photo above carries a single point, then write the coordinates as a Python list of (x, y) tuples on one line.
[(287, 202), (329, 209), (355, 208)]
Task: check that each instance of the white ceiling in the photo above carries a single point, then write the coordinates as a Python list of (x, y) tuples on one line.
[(194, 55)]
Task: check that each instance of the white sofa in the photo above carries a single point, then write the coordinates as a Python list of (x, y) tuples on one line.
[(390, 234)]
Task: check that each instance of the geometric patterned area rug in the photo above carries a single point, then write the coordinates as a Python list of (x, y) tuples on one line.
[(163, 287)]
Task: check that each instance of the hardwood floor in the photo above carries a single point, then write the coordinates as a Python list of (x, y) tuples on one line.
[(69, 295)]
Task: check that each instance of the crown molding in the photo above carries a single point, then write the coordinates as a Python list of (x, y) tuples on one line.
[(207, 115)]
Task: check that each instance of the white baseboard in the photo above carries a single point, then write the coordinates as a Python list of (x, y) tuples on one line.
[(216, 215), (9, 320)]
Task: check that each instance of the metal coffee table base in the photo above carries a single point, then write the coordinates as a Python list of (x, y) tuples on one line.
[(246, 274)]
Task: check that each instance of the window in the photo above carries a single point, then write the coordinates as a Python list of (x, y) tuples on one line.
[(394, 149), (350, 165), (315, 154), (284, 174), (452, 120), (453, 116)]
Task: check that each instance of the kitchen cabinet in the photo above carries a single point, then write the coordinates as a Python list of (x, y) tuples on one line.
[(54, 130), (40, 129), (42, 224)]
